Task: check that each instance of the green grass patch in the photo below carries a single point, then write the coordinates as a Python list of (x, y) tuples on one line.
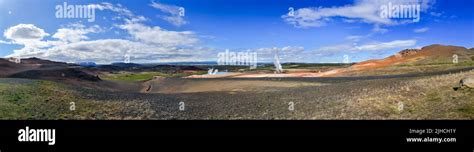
[(130, 76), (433, 96), (144, 76), (437, 64), (467, 110), (45, 100)]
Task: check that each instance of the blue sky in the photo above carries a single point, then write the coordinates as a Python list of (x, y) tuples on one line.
[(155, 31)]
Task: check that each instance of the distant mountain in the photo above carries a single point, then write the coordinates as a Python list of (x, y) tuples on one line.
[(120, 66), (40, 61), (175, 68), (56, 74), (190, 63), (432, 54), (126, 65), (87, 64), (7, 67), (35, 68)]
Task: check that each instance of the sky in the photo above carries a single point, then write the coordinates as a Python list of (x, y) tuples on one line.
[(153, 31)]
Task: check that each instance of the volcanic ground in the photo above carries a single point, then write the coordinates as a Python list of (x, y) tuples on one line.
[(413, 84)]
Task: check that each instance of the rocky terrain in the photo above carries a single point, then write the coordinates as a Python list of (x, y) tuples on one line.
[(414, 84)]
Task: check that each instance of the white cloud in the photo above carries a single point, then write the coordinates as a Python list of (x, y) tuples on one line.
[(286, 49), (4, 42), (335, 48), (154, 35), (354, 38), (158, 36), (114, 50), (367, 11), (378, 29), (332, 49), (75, 32), (114, 8), (386, 45), (120, 10), (24, 32), (28, 35), (354, 48), (152, 44), (173, 12), (147, 43), (286, 54), (436, 14), (421, 30), (175, 20)]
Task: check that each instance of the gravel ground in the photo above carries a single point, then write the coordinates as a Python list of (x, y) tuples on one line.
[(339, 98), (332, 101)]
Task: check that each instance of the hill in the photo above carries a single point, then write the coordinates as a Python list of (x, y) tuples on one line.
[(35, 68), (429, 55)]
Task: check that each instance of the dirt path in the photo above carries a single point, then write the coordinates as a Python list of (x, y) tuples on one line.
[(339, 98), (375, 97), (220, 85)]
